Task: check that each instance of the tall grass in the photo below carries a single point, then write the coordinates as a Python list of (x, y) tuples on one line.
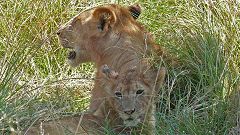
[(199, 96), (34, 76), (204, 37)]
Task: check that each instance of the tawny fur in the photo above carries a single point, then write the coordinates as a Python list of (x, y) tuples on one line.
[(110, 35), (70, 125)]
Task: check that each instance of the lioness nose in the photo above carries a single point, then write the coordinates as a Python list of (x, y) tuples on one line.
[(58, 32), (129, 112)]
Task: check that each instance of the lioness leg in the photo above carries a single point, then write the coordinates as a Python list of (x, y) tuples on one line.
[(83, 124)]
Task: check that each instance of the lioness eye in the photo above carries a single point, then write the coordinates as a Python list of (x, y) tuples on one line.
[(118, 94), (139, 92)]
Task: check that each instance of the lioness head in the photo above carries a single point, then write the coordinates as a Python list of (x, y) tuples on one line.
[(91, 25), (131, 93)]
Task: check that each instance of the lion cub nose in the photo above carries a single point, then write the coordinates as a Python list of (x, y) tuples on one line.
[(129, 112)]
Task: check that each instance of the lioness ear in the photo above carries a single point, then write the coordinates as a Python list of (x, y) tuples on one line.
[(106, 18), (109, 73), (135, 10)]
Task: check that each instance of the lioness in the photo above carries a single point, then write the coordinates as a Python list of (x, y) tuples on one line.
[(71, 38)]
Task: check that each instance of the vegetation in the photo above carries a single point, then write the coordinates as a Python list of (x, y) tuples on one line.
[(201, 94)]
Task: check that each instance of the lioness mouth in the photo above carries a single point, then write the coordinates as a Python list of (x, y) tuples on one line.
[(71, 55)]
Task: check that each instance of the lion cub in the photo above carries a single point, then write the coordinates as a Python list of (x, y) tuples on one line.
[(128, 98), (127, 106)]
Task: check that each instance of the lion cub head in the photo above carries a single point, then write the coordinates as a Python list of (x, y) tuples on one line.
[(92, 25), (131, 93)]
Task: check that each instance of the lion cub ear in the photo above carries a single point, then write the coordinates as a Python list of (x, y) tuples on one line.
[(135, 10), (106, 18), (153, 77), (109, 73)]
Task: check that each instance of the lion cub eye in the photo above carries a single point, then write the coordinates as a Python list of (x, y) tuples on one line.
[(118, 94), (139, 92)]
